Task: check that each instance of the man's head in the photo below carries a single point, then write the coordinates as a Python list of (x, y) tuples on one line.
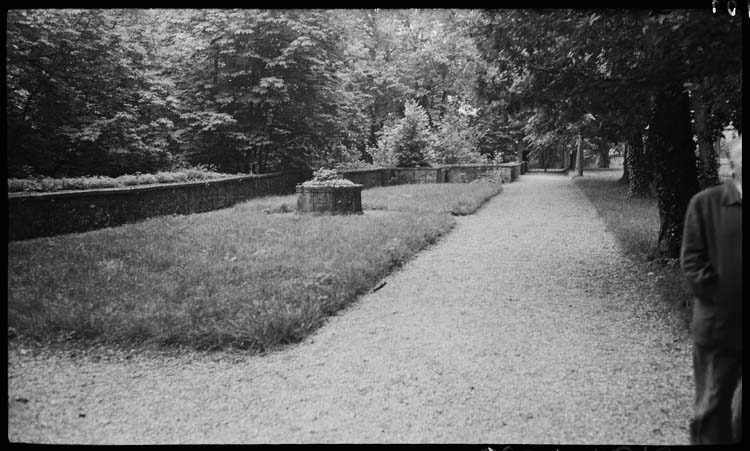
[(735, 157)]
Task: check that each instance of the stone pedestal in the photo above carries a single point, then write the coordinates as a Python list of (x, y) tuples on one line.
[(329, 199)]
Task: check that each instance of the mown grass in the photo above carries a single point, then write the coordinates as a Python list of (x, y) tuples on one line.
[(247, 277), (635, 224), (455, 198)]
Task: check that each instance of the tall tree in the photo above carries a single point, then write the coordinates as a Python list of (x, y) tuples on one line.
[(260, 87), (80, 96), (682, 46), (393, 56), (572, 63)]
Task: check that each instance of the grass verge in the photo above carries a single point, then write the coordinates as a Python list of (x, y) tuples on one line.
[(635, 225), (457, 199), (247, 277)]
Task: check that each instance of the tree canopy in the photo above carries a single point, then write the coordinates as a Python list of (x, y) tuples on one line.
[(634, 71), (112, 92)]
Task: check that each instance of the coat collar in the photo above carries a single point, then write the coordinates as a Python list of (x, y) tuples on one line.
[(730, 194)]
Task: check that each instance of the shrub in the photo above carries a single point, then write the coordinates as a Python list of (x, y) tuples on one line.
[(455, 141), (100, 182), (128, 180), (328, 177), (146, 179), (406, 142), (18, 185), (48, 184)]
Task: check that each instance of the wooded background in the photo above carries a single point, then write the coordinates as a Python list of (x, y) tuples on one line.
[(112, 92)]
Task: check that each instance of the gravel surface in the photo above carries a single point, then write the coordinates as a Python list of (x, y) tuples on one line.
[(524, 325)]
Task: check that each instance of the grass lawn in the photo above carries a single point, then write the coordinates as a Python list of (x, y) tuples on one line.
[(254, 276), (454, 198), (635, 225)]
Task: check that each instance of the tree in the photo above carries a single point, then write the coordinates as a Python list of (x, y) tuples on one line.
[(113, 91), (640, 167), (571, 62), (406, 142), (392, 56), (682, 46), (260, 87), (81, 96), (671, 142), (456, 138)]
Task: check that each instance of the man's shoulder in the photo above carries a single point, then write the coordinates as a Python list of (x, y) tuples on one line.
[(711, 194)]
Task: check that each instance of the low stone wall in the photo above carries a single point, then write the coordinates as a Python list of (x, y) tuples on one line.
[(366, 177), (468, 173), (369, 178), (511, 170), (33, 215), (407, 176)]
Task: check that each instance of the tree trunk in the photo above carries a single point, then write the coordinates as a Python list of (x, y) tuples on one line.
[(602, 149), (625, 179), (640, 168), (708, 161), (373, 138), (259, 160), (579, 157), (670, 141)]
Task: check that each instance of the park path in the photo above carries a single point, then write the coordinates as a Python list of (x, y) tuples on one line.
[(515, 328)]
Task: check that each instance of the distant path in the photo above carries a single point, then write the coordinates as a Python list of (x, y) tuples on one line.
[(515, 328)]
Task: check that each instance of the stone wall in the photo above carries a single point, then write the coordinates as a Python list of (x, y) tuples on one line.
[(509, 172), (366, 177), (467, 173), (33, 215), (406, 176), (44, 214)]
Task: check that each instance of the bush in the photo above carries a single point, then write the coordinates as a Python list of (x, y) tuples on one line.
[(328, 177), (128, 180), (406, 142), (455, 141), (48, 184)]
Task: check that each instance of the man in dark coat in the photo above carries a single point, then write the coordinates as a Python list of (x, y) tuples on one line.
[(711, 259)]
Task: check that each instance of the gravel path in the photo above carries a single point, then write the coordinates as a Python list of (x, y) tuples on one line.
[(515, 328)]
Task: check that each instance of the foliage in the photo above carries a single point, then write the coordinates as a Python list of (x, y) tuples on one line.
[(569, 63), (112, 92), (260, 86), (49, 184), (406, 142), (456, 138), (328, 177), (81, 96), (396, 55)]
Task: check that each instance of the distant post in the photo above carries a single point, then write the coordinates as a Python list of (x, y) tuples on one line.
[(579, 158)]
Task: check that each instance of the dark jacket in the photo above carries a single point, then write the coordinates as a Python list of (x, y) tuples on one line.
[(711, 259)]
